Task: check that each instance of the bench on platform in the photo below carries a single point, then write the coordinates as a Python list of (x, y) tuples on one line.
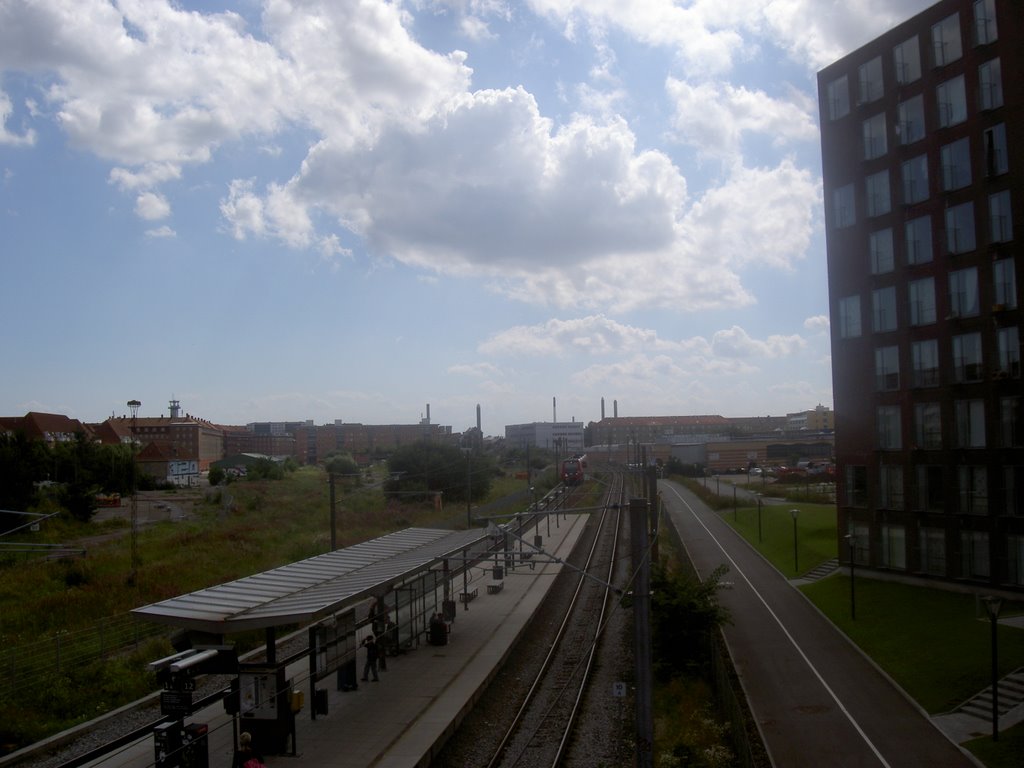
[(495, 587), (467, 597)]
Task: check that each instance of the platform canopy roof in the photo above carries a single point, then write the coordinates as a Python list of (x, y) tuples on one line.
[(313, 589)]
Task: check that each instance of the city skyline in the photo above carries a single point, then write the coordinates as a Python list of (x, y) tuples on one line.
[(290, 210)]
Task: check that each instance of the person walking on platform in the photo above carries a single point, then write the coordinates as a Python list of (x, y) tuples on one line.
[(371, 659)]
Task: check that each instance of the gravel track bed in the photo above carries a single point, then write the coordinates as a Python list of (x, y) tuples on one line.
[(597, 739)]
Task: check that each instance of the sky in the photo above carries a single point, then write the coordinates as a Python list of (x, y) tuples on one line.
[(283, 210)]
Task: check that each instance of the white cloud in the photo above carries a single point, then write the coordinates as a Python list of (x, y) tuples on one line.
[(596, 335), (161, 232), (7, 137), (817, 324), (737, 343), (714, 117), (758, 217), (151, 206)]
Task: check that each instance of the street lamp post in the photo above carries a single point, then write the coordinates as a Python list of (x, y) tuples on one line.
[(852, 541), (796, 556), (133, 405), (992, 607)]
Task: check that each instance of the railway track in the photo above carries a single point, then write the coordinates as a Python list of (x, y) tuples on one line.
[(540, 733)]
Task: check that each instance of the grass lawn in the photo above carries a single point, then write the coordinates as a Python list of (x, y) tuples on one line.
[(773, 536)]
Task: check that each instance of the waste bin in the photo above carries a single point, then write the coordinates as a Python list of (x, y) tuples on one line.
[(195, 753), (320, 699)]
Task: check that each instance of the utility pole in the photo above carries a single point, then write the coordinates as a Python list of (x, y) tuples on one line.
[(334, 540), (134, 406), (642, 632)]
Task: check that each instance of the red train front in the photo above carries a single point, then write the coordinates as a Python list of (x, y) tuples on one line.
[(574, 470)]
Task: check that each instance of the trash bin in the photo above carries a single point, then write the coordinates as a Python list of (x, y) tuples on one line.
[(320, 701)]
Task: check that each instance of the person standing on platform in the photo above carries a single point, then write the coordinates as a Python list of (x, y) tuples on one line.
[(245, 755), (371, 659)]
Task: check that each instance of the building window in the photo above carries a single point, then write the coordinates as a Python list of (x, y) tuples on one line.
[(1011, 421), (911, 120), (880, 244), (894, 546), (985, 29), (849, 317), (1004, 278), (883, 309), (890, 486), (931, 494), (878, 199), (918, 240), (946, 43), (1009, 351), (967, 358), (874, 137), (996, 162), (951, 99), (888, 421), (925, 359), (970, 423), (907, 59), (960, 228), (956, 165), (856, 491), (887, 368), (869, 80), (842, 201), (1015, 559), (990, 85), (1000, 220), (838, 94), (974, 554), (933, 550), (963, 293), (973, 489), (922, 301), (1013, 490), (927, 426), (915, 179)]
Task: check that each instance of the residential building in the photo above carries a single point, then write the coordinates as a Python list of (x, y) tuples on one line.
[(922, 135)]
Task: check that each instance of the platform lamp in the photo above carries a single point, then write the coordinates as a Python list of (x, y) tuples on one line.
[(133, 405)]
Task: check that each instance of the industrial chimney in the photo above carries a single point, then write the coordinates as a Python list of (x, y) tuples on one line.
[(602, 409), (615, 409), (478, 420), (554, 411)]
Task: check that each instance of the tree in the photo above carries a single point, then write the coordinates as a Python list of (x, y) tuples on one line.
[(217, 475), (427, 468), (684, 614)]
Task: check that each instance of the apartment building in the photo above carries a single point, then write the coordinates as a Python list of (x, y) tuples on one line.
[(922, 136)]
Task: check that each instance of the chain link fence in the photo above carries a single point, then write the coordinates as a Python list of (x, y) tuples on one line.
[(24, 666)]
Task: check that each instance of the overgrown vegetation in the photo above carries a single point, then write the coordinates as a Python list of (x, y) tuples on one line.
[(685, 618)]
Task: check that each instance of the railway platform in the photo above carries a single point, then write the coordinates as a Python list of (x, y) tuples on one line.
[(402, 720)]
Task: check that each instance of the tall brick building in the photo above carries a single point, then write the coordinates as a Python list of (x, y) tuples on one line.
[(922, 136)]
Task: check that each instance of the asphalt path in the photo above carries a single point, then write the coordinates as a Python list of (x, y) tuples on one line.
[(818, 701)]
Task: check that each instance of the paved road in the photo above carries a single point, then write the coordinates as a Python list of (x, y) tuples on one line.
[(817, 700)]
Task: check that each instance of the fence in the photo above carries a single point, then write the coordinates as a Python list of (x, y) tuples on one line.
[(27, 665)]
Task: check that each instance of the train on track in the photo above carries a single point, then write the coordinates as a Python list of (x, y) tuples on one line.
[(574, 470)]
